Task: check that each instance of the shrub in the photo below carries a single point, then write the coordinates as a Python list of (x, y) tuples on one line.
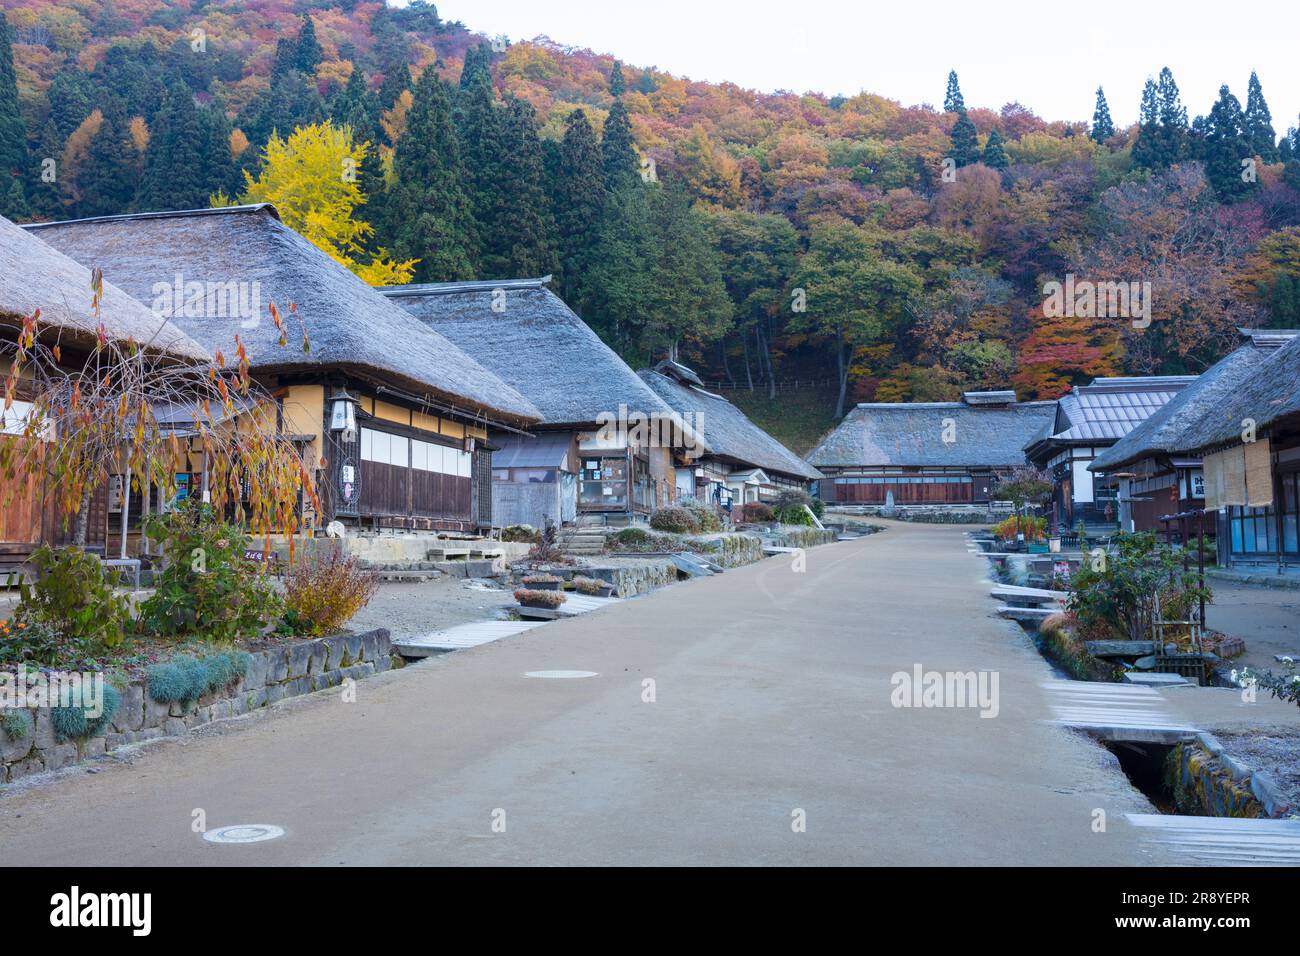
[(205, 587), (520, 532), (185, 679), (75, 599), (632, 536), (640, 541), (795, 514), (34, 641), (1285, 686), (589, 585), (1034, 529), (325, 592), (548, 548), (705, 517), (551, 599), (15, 724), (1117, 596), (73, 723), (756, 513), (675, 520)]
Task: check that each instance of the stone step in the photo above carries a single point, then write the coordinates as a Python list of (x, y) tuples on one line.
[(407, 576)]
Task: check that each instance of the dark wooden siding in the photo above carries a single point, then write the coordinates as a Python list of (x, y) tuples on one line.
[(905, 491)]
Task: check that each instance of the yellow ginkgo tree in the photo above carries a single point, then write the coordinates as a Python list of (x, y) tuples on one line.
[(311, 179)]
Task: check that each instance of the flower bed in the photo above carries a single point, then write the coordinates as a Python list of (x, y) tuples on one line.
[(542, 599)]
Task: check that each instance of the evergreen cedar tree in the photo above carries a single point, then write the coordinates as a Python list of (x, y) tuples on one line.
[(1103, 127), (530, 163)]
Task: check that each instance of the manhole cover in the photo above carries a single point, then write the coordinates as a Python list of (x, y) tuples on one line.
[(560, 674), (244, 833)]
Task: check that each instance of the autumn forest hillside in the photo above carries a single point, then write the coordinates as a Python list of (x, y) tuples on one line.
[(893, 252)]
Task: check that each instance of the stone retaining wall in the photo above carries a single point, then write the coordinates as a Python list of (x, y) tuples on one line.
[(273, 675), (1206, 780)]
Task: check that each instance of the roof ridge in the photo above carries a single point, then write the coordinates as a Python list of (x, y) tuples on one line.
[(473, 285), (174, 214)]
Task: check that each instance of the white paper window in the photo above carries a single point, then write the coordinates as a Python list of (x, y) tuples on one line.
[(367, 444), (399, 451), (420, 455)]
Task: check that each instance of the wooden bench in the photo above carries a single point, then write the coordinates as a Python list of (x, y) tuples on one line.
[(13, 562)]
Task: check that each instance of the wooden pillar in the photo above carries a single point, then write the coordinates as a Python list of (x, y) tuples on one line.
[(126, 507)]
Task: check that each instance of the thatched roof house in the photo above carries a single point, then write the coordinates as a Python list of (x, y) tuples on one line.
[(743, 449), (395, 414), (1158, 464), (928, 452), (1089, 419), (523, 331), (33, 275), (157, 256)]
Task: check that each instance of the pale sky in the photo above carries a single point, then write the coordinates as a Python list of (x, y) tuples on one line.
[(1049, 56)]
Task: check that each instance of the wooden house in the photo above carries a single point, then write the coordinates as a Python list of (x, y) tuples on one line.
[(1241, 422), (744, 463), (1089, 419), (34, 276), (1156, 466), (928, 453), (580, 463), (393, 416)]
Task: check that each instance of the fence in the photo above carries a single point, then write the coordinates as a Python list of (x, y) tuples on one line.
[(793, 385)]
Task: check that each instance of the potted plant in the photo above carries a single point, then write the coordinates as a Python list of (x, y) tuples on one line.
[(542, 581), (540, 599), (593, 586)]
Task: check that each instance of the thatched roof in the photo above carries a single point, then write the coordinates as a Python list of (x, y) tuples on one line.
[(536, 342), (349, 324), (1269, 394), (1203, 409), (35, 276), (1104, 411), (912, 433), (726, 430)]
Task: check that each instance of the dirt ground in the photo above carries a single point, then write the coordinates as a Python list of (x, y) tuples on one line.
[(416, 609), (1267, 619), (1277, 755)]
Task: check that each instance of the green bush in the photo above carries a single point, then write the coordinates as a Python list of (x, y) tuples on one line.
[(72, 723), (1115, 596), (788, 508), (15, 724), (632, 536), (675, 521), (75, 600), (524, 533), (185, 679), (755, 513), (206, 586)]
